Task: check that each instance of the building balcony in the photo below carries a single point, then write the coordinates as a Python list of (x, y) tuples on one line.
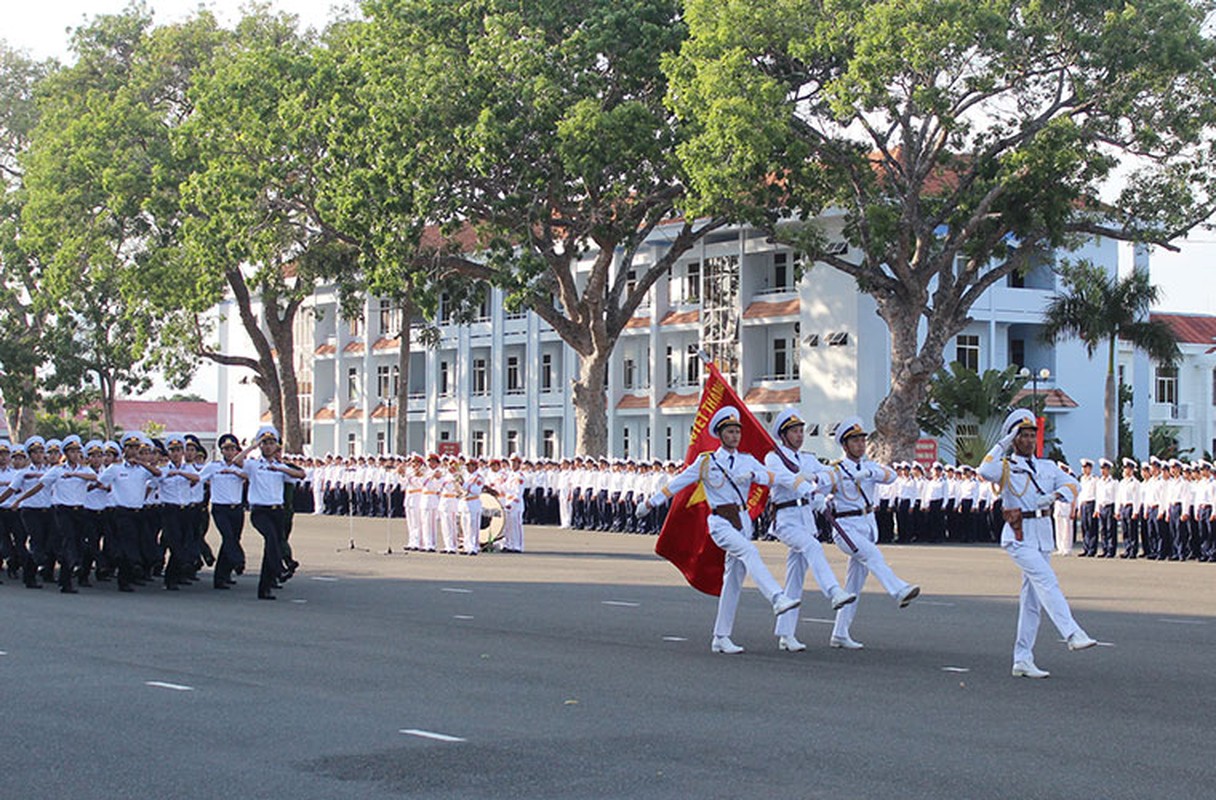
[(1171, 413)]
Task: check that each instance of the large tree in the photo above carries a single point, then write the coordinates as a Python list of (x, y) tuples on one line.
[(961, 140), (1100, 309), (541, 124)]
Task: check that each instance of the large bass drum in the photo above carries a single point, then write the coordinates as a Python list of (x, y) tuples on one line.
[(493, 520)]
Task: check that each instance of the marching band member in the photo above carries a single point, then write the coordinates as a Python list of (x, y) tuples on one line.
[(267, 476)]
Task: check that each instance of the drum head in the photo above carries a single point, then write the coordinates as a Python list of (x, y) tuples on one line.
[(492, 519)]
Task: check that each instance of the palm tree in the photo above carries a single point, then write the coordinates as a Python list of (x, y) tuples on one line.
[(1100, 309)]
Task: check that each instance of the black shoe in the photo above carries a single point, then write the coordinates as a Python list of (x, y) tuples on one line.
[(84, 582), (221, 586), (172, 587), (125, 587), (29, 585), (231, 582), (209, 559), (265, 596), (239, 569), (68, 590)]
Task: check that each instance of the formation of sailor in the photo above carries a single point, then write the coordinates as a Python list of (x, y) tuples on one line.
[(1029, 489)]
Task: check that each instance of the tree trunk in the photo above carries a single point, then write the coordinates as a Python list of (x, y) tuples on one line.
[(267, 377), (591, 405), (1110, 409), (400, 444), (107, 386), (895, 427), (282, 334)]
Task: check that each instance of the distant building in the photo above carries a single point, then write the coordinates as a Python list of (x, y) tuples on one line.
[(502, 384)]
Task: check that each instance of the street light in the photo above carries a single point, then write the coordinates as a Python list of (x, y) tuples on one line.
[(388, 444), (1042, 375)]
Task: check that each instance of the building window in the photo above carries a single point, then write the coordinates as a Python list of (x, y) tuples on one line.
[(1017, 280), (671, 366), (445, 309), (381, 443), (625, 442), (631, 283), (692, 365), (350, 444), (481, 377), (549, 443), (667, 442), (546, 371), (512, 441), (692, 283), (781, 271), (388, 323), (395, 381), (445, 436), (811, 340), (838, 339), (383, 381), (445, 379), (1017, 352), (354, 327), (483, 309), (305, 397), (352, 382), (967, 352), (781, 359), (1167, 385), (629, 373), (1213, 395), (514, 381), (479, 444)]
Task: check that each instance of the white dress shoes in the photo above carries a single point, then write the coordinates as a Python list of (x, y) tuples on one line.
[(1027, 669), (790, 644), (723, 644), (846, 642), (841, 598), (783, 603), (907, 595), (1081, 641)]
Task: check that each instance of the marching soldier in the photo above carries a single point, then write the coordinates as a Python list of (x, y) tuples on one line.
[(1127, 501)]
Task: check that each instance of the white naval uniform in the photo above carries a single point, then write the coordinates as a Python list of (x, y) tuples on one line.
[(470, 511), (429, 511), (448, 509), (854, 489), (1040, 587), (716, 470), (510, 487), (795, 527)]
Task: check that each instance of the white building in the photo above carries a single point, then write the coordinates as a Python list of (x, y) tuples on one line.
[(502, 383)]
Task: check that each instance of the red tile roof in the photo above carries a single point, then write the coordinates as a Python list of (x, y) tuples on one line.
[(763, 309), (352, 412), (353, 347), (326, 350), (1053, 398), (681, 317), (673, 400), (1190, 328), (267, 416), (634, 401), (384, 343), (638, 322), (381, 411), (326, 413), (178, 416), (761, 396)]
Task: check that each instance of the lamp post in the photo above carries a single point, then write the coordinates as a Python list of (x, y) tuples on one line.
[(1042, 375), (388, 443)]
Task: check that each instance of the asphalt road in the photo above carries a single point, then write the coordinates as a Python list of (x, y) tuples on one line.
[(581, 669)]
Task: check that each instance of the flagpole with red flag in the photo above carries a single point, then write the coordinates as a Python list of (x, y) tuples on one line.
[(685, 540)]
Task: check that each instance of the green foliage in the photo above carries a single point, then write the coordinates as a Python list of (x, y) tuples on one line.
[(1163, 442), (964, 409), (1126, 443)]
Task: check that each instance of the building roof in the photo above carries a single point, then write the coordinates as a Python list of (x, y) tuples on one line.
[(186, 416), (381, 411), (1190, 328), (325, 414), (637, 322), (352, 412), (762, 309), (673, 400), (763, 396), (326, 349), (353, 347), (681, 317), (634, 401), (384, 343), (1053, 398)]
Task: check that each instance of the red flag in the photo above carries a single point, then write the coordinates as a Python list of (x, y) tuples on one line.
[(684, 540)]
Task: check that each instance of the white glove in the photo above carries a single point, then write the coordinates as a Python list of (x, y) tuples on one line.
[(1006, 441), (643, 509), (743, 479), (819, 503), (1047, 501)]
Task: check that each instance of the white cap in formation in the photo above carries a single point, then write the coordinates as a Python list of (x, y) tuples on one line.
[(266, 432), (1018, 420), (727, 415), (785, 420), (848, 427)]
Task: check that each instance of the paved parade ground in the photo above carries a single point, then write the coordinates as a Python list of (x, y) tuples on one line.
[(581, 669)]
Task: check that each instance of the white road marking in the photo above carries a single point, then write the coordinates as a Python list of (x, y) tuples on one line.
[(299, 601), (439, 737), (1106, 644), (1183, 621), (177, 687), (456, 591), (934, 603), (325, 578), (622, 603), (462, 616), (2, 653), (956, 669), (820, 621), (674, 639)]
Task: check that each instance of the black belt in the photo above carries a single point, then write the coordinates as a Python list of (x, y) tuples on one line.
[(857, 512), (1041, 512), (227, 505), (278, 507), (73, 508), (801, 501), (177, 506)]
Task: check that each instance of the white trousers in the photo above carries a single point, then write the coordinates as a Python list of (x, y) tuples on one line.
[(795, 527), (1063, 529), (513, 528), (565, 509), (470, 525), (430, 526), (448, 526), (413, 525), (742, 558), (859, 544), (1040, 592)]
